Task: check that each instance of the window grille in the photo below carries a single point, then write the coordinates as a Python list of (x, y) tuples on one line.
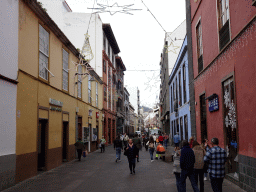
[(65, 70), (43, 52)]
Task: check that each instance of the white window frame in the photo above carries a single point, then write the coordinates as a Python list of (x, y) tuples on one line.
[(65, 58), (43, 53), (89, 89)]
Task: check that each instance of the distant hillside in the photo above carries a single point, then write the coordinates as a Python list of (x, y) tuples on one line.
[(147, 109)]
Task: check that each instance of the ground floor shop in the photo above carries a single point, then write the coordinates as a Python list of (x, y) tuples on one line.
[(224, 102), (48, 125)]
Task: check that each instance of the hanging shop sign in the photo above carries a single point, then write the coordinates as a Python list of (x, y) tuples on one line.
[(97, 115), (213, 102), (55, 102)]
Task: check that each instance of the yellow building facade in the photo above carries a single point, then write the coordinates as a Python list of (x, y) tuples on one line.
[(57, 99)]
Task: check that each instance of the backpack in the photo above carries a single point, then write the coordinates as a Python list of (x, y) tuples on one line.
[(151, 145)]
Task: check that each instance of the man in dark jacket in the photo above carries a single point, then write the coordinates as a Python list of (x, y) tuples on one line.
[(187, 160), (137, 142), (118, 146), (79, 147)]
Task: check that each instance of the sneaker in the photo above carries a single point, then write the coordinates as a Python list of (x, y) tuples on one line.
[(152, 161), (116, 160), (119, 160), (205, 178)]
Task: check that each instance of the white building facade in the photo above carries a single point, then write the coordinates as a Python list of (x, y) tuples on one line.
[(8, 85)]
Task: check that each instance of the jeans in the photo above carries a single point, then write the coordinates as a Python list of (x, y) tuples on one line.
[(177, 175), (151, 152), (118, 153), (190, 174), (79, 152), (216, 184), (131, 164), (102, 148), (165, 143), (200, 173), (161, 142)]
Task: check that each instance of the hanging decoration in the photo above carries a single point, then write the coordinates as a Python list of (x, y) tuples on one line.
[(86, 51), (171, 48), (232, 115), (115, 8)]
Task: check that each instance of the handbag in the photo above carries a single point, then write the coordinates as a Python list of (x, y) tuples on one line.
[(84, 154)]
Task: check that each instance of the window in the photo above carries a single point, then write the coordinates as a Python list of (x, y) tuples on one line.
[(79, 81), (184, 83), (108, 50), (181, 128), (223, 11), (65, 70), (186, 126), (176, 89), (105, 93), (89, 89), (109, 100), (203, 117), (104, 41), (113, 59), (199, 47), (43, 52), (104, 66), (171, 100), (96, 88), (180, 97)]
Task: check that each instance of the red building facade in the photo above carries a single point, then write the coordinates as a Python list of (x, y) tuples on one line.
[(110, 50), (223, 37)]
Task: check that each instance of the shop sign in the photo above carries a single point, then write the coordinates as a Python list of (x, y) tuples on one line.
[(55, 102), (214, 103), (55, 108), (97, 115)]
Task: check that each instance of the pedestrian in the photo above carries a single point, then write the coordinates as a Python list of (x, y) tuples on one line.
[(79, 148), (151, 146), (118, 146), (136, 141), (206, 148), (166, 137), (161, 139), (131, 152), (143, 140), (146, 139), (199, 164), (126, 138), (160, 150), (187, 161), (176, 139), (154, 137), (176, 166), (216, 158), (102, 142), (191, 140)]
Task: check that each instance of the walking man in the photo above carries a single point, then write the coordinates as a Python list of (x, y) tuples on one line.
[(216, 158), (176, 139), (154, 137), (79, 147), (187, 161), (102, 142), (166, 137), (137, 142), (118, 146)]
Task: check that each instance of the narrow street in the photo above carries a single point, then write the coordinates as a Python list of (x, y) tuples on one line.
[(99, 172)]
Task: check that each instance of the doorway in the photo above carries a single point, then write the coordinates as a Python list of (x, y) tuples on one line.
[(203, 117), (42, 145), (64, 141)]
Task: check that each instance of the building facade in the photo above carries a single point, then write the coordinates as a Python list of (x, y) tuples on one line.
[(179, 96), (172, 45), (131, 120), (126, 111), (57, 99), (223, 40), (120, 95), (8, 85)]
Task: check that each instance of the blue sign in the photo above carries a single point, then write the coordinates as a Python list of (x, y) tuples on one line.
[(214, 104)]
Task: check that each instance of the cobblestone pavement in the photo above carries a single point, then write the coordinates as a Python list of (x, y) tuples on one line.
[(99, 172)]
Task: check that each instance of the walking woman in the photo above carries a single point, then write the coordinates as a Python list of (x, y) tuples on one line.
[(132, 153), (206, 148), (151, 146), (176, 167), (199, 164)]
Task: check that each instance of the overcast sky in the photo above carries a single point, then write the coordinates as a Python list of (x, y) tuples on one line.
[(140, 39)]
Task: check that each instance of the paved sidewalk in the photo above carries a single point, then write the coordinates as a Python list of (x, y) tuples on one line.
[(99, 172)]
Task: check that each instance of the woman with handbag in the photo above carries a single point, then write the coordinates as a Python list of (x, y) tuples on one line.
[(131, 151), (176, 166), (151, 146)]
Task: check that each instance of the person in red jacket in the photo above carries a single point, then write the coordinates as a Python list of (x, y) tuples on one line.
[(161, 139)]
